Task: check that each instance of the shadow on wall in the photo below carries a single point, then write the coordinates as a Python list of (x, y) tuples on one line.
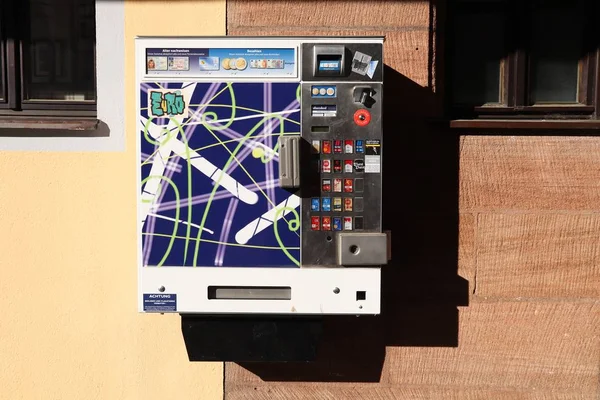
[(421, 288)]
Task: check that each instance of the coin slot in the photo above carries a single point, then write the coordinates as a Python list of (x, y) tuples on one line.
[(319, 129)]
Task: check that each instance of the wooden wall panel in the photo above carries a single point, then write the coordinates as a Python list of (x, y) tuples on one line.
[(375, 14), (527, 216), (385, 392), (538, 255), (405, 24), (504, 345), (529, 173), (519, 349)]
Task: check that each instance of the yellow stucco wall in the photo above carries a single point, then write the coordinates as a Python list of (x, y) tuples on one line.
[(69, 327)]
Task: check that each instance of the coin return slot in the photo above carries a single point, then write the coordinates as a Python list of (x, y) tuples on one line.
[(361, 295), (249, 293)]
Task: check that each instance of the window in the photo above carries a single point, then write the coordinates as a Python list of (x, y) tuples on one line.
[(48, 58), (523, 58)]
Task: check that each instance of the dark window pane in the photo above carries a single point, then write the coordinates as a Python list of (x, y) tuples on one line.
[(58, 55), (555, 49), (479, 30), (2, 74)]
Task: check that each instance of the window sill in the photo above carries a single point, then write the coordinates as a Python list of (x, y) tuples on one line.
[(63, 124), (586, 124)]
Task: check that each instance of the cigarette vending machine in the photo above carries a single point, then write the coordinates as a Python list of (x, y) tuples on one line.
[(259, 173)]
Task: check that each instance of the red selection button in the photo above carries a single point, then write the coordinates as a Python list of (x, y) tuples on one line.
[(362, 117), (315, 224)]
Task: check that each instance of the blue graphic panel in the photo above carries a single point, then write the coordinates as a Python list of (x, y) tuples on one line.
[(210, 194)]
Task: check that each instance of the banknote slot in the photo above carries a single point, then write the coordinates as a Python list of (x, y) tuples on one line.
[(249, 293)]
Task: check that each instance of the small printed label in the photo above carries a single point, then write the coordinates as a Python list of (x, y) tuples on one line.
[(314, 204), (348, 204), (348, 186), (337, 223), (315, 224), (337, 185), (348, 166), (359, 166), (372, 164), (347, 223), (360, 146), (160, 302), (329, 110), (373, 147), (326, 204), (326, 166), (316, 146), (326, 185), (349, 146), (337, 146), (326, 146), (337, 166), (373, 156), (326, 223), (337, 204)]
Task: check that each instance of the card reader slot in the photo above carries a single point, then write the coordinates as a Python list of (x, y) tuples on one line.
[(249, 293)]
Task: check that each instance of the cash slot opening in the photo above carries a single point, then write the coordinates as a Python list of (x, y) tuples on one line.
[(249, 293)]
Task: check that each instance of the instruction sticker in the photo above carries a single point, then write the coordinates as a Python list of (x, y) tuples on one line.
[(360, 63), (223, 62), (372, 68), (160, 302), (372, 156)]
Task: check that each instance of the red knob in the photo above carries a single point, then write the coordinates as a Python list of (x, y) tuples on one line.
[(362, 117)]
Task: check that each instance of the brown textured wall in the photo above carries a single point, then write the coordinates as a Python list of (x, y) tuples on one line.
[(493, 290)]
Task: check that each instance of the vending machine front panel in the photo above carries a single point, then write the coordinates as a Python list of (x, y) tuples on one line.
[(259, 175)]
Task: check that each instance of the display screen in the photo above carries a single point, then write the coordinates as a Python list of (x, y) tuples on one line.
[(333, 64)]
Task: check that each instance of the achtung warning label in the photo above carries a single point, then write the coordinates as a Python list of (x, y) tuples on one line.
[(160, 302)]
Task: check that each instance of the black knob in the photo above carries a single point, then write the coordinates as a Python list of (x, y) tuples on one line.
[(364, 96)]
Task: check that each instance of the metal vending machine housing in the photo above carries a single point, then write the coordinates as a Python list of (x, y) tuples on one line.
[(259, 173)]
